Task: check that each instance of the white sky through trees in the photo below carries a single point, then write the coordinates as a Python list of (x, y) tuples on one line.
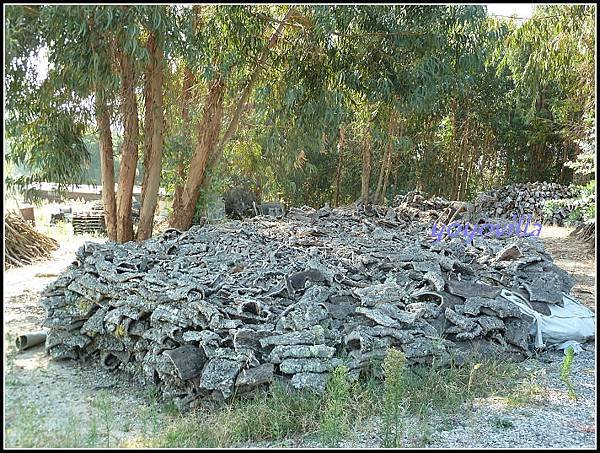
[(521, 10)]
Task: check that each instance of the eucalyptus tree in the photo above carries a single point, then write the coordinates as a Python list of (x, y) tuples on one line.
[(351, 75), (160, 24), (310, 103), (96, 55), (551, 58), (227, 52), (44, 119)]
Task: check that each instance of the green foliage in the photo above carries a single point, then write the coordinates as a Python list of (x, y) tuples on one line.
[(501, 423), (395, 387), (335, 422), (279, 413), (268, 416), (565, 372), (484, 102)]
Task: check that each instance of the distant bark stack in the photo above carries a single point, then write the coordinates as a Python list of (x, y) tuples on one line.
[(586, 232), (419, 205), (91, 221), (532, 199)]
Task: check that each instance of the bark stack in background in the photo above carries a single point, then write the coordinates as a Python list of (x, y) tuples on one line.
[(227, 308), (586, 232), (417, 205), (534, 199)]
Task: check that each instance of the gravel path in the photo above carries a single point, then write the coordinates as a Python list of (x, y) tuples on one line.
[(553, 421), (57, 396)]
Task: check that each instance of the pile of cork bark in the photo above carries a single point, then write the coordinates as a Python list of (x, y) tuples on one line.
[(232, 307)]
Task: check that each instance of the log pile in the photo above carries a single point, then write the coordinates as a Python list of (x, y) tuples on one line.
[(223, 309), (531, 199), (23, 244)]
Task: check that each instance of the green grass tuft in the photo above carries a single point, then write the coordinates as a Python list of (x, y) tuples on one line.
[(394, 368), (335, 420), (565, 372)]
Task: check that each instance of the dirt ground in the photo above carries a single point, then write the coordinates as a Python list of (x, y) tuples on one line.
[(66, 404), (575, 257), (64, 399)]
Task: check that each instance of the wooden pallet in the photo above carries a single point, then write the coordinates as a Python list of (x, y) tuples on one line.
[(88, 222)]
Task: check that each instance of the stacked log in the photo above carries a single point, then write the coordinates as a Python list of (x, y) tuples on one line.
[(549, 203), (226, 308), (23, 244)]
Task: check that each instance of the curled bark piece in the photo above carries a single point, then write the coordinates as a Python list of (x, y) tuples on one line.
[(188, 361), (109, 361), (29, 340)]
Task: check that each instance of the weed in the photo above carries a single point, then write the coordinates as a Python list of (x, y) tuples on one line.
[(120, 331), (526, 392), (171, 409), (92, 437), (471, 373), (279, 412), (22, 431), (11, 351), (334, 419), (153, 394), (28, 427), (126, 427), (270, 415), (107, 416), (565, 372), (446, 423), (394, 367), (421, 435), (501, 422)]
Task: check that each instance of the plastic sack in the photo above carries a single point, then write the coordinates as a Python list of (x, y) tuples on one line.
[(573, 321)]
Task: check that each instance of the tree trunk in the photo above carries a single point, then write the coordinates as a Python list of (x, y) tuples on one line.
[(107, 167), (216, 154), (457, 150), (537, 163), (153, 139), (397, 173), (418, 177), (338, 173), (208, 134), (467, 162), (490, 149), (129, 148), (472, 158), (209, 148), (388, 169), (384, 164), (366, 168), (507, 168), (186, 95)]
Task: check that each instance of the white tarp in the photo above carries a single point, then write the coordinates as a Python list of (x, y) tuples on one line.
[(571, 322)]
